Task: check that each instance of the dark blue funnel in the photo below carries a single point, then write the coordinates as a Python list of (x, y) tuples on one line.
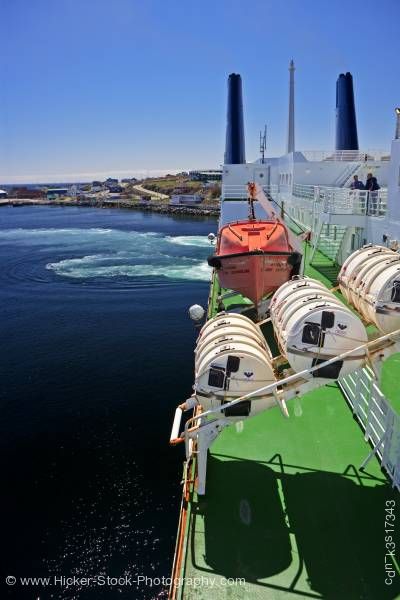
[(346, 125), (234, 146)]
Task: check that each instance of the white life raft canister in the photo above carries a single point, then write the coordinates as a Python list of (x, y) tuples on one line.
[(312, 326), (370, 281), (232, 359)]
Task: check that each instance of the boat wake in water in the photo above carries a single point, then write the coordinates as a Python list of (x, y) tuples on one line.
[(124, 255), (94, 315)]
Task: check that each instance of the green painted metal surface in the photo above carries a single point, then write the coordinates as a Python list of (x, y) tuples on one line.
[(288, 511)]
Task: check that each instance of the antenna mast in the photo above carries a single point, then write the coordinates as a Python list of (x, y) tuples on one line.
[(263, 143), (290, 139)]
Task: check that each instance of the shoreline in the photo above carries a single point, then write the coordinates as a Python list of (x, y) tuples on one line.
[(156, 207)]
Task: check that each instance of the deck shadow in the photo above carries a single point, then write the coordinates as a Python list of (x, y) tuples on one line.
[(337, 523), (339, 530), (245, 530)]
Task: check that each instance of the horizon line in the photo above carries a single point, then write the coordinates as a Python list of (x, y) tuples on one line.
[(83, 177)]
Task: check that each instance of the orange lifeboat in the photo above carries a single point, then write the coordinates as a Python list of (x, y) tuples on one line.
[(255, 257)]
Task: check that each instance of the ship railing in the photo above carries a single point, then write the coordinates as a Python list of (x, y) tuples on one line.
[(234, 192), (304, 191), (239, 192), (346, 155), (317, 199), (375, 203), (335, 200), (380, 422), (372, 346), (354, 202)]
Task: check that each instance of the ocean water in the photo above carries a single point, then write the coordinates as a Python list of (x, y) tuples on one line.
[(96, 352)]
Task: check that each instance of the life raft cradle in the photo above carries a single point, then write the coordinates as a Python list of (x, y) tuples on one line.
[(202, 429)]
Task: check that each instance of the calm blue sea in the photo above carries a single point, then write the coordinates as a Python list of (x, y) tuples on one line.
[(96, 351)]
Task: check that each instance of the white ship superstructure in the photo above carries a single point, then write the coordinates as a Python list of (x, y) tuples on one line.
[(314, 189)]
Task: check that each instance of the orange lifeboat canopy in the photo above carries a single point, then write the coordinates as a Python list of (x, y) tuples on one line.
[(255, 257)]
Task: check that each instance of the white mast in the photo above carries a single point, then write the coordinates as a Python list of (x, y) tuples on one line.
[(397, 135), (290, 139)]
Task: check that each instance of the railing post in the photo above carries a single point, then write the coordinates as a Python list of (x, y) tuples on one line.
[(389, 421)]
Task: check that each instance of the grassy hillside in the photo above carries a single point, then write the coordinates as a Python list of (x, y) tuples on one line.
[(171, 184)]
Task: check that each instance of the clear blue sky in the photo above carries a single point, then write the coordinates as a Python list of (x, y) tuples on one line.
[(120, 86)]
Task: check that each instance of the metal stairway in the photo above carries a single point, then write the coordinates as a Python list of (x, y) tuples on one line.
[(328, 242), (344, 178)]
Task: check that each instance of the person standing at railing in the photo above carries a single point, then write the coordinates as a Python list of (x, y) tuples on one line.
[(372, 186), (356, 184), (372, 183)]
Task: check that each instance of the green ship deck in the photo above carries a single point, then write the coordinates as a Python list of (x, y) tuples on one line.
[(287, 512)]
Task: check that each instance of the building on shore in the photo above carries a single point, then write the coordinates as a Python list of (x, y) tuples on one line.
[(24, 192), (210, 175), (54, 193), (114, 189), (97, 186), (185, 200), (3, 194)]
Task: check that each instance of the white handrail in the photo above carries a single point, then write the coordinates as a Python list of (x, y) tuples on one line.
[(367, 155), (270, 388), (176, 425), (333, 200)]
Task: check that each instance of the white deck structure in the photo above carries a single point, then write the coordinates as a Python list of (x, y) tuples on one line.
[(314, 190)]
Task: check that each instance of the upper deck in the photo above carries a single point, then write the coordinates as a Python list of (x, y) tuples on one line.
[(288, 512)]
